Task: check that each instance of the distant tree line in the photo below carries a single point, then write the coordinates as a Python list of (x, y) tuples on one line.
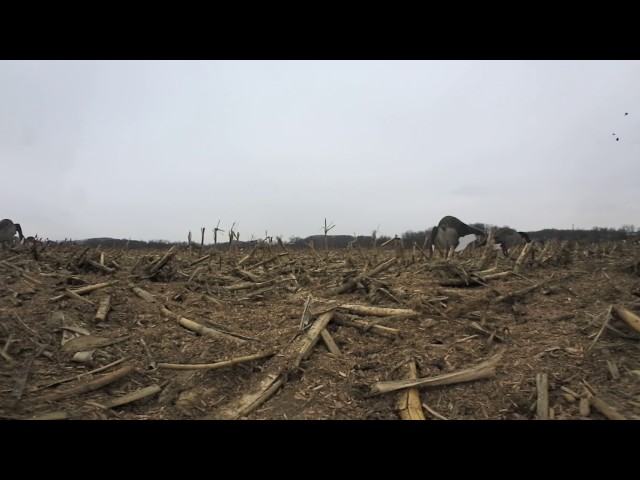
[(595, 235), (108, 242)]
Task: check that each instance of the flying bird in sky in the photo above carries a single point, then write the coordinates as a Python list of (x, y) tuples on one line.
[(617, 139), (626, 113)]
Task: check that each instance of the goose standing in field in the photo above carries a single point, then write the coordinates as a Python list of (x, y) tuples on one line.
[(508, 238), (446, 236), (8, 231)]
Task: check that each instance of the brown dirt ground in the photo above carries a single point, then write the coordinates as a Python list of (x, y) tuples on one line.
[(554, 330)]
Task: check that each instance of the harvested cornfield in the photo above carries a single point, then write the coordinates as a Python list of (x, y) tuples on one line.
[(273, 333)]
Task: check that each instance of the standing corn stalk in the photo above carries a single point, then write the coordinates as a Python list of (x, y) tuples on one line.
[(326, 239), (215, 235), (215, 242), (374, 244), (399, 248), (233, 235), (201, 241), (281, 243)]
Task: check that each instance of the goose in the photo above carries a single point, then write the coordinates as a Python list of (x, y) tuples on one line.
[(446, 236), (508, 238), (8, 231)]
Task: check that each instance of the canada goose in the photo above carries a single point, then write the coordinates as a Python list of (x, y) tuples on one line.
[(446, 236), (8, 231), (509, 238)]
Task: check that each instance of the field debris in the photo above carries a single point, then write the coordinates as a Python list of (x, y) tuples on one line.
[(272, 332)]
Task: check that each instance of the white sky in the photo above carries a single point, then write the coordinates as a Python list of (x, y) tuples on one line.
[(149, 150)]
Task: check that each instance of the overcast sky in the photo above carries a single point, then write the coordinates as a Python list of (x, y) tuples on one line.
[(149, 150)]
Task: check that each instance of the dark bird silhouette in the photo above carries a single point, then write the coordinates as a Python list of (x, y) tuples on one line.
[(617, 139), (446, 236), (8, 231), (626, 113), (508, 238), (613, 134)]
